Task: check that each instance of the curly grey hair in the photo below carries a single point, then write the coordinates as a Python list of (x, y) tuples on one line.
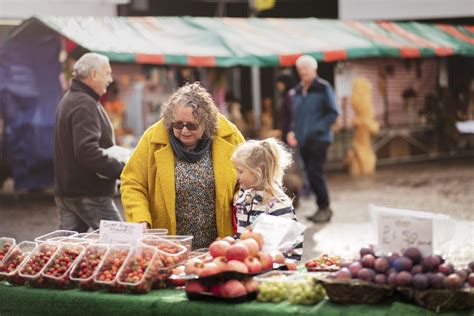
[(89, 61), (197, 97)]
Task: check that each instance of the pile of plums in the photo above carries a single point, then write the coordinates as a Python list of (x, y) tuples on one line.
[(409, 269)]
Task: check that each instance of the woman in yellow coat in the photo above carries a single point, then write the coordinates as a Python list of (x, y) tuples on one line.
[(181, 176)]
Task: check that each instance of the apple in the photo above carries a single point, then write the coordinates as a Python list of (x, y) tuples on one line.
[(229, 239), (251, 234), (237, 266), (220, 261), (193, 266), (237, 251), (233, 288), (195, 287), (266, 260), (251, 285), (290, 265), (216, 289), (278, 257), (209, 269), (218, 248), (251, 245), (253, 264)]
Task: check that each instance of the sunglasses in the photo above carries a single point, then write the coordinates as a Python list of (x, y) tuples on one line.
[(181, 125)]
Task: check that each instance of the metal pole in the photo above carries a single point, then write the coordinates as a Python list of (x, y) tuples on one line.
[(256, 96)]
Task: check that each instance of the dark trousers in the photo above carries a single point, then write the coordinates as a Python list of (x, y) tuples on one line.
[(314, 156), (80, 213)]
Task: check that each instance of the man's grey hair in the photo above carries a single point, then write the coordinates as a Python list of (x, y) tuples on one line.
[(307, 60), (86, 63)]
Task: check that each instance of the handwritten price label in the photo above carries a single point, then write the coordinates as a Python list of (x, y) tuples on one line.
[(120, 232), (396, 233)]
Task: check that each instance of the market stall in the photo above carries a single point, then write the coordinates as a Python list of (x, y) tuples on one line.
[(28, 301)]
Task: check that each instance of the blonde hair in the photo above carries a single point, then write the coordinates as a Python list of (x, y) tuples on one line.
[(196, 96), (272, 157)]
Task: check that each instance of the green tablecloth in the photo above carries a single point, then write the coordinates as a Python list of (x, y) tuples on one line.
[(21, 300)]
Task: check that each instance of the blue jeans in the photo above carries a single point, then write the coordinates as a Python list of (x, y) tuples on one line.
[(80, 213)]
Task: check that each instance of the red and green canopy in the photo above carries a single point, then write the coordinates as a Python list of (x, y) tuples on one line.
[(226, 42)]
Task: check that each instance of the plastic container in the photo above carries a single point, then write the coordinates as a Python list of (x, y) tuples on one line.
[(39, 257), (155, 232), (56, 272), (6, 244), (110, 266), (303, 288), (139, 270), (171, 253), (55, 235), (83, 271), (184, 240), (272, 286), (12, 262)]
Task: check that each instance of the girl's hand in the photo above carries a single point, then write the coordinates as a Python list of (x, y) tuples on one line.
[(291, 139), (145, 225)]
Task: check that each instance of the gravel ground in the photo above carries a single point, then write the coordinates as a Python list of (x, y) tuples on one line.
[(437, 186)]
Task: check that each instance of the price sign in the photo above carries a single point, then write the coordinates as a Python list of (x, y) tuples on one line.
[(396, 233), (120, 232)]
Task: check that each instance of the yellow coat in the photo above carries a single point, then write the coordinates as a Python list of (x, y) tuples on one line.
[(148, 181)]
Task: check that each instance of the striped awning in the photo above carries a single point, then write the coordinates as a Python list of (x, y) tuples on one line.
[(226, 42)]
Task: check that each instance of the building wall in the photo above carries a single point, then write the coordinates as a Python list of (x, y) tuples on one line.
[(405, 9), (22, 9)]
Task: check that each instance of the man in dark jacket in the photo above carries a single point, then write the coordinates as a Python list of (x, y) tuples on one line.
[(85, 176), (314, 111)]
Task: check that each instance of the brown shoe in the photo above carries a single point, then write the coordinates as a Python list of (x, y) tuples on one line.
[(322, 216)]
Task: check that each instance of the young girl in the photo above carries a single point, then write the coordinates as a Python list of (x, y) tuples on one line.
[(260, 168)]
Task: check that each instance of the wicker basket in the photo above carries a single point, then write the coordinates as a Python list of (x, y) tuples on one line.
[(440, 300), (355, 291)]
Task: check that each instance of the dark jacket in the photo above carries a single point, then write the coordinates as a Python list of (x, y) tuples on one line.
[(82, 130), (314, 113)]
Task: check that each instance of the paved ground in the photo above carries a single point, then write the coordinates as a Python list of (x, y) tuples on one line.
[(439, 186)]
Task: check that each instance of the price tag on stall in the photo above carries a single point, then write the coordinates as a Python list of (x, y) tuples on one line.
[(401, 232), (399, 229), (120, 232)]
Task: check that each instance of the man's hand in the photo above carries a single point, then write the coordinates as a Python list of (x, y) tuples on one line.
[(291, 139)]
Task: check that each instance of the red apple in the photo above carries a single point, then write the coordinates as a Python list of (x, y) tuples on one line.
[(209, 269), (233, 288), (218, 248), (278, 257), (266, 260), (251, 285), (216, 289), (290, 265), (237, 252), (253, 264), (195, 287), (251, 245), (229, 239), (221, 262), (251, 234), (237, 266), (193, 266)]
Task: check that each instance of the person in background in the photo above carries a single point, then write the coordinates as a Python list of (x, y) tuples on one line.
[(283, 104), (314, 111), (260, 168), (85, 175), (180, 176)]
